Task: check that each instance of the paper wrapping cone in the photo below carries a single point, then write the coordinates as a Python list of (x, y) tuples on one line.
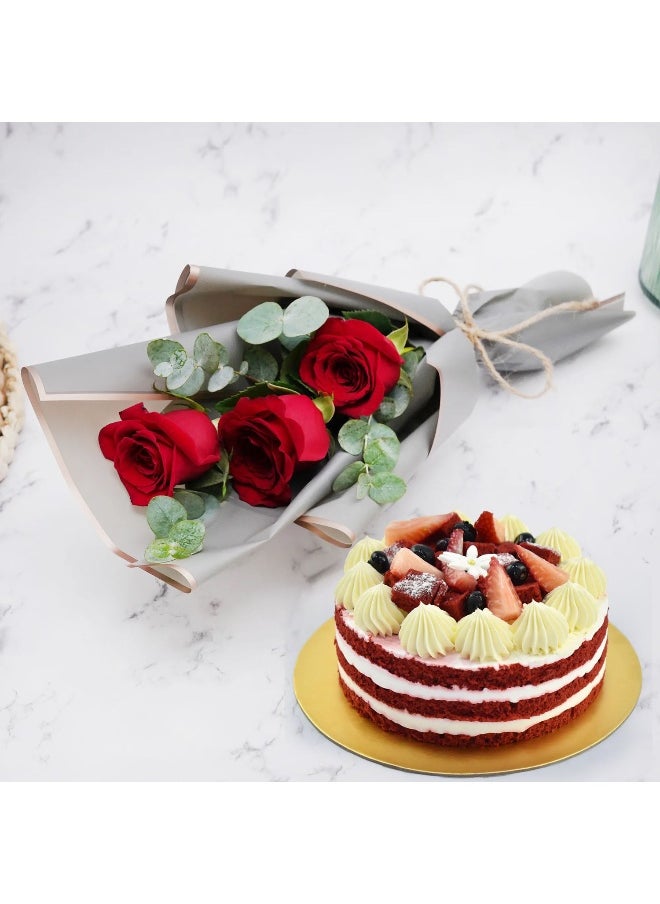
[(74, 398)]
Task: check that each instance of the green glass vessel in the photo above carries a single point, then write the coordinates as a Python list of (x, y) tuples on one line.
[(649, 270)]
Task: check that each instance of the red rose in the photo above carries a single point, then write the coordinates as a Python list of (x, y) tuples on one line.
[(353, 362), (267, 439), (155, 452)]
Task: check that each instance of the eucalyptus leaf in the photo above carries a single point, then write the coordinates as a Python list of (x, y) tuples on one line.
[(412, 359), (261, 324), (214, 476), (395, 403), (191, 501), (351, 436), (221, 378), (188, 535), (291, 342), (386, 487), (163, 512), (363, 485), (261, 365), (381, 448), (304, 315), (192, 385), (206, 353), (164, 369), (181, 375), (160, 350), (211, 507), (161, 551), (348, 477)]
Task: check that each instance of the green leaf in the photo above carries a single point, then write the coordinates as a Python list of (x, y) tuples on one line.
[(214, 476), (291, 342), (348, 476), (192, 385), (382, 323), (181, 375), (163, 512), (160, 350), (395, 403), (221, 378), (164, 369), (192, 502), (161, 551), (381, 448), (363, 485), (261, 365), (211, 507), (399, 337), (326, 406), (206, 353), (261, 324), (304, 315), (188, 535), (351, 436), (412, 359), (386, 487)]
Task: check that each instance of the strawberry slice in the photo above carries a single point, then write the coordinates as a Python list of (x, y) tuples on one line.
[(457, 579), (404, 561), (456, 541), (501, 596), (548, 575), (546, 552), (420, 530), (488, 529)]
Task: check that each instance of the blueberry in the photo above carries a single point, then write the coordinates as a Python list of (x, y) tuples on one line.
[(469, 533), (442, 545), (379, 561), (524, 538), (518, 573), (473, 601), (424, 552)]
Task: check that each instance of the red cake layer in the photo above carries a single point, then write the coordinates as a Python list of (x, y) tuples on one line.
[(487, 711), (492, 677), (491, 739)]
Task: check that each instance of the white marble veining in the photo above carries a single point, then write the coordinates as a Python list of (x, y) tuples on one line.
[(106, 674)]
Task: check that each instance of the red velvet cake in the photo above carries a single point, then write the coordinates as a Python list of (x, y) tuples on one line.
[(469, 634)]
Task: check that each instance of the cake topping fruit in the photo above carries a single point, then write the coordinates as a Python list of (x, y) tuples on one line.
[(419, 530), (375, 612), (482, 637), (517, 571), (455, 542), (424, 552), (469, 532), (406, 560), (474, 600), (539, 629), (501, 596), (524, 537), (379, 561), (547, 574), (488, 529), (428, 632), (458, 579)]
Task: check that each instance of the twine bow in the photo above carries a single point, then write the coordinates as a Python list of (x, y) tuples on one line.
[(477, 335)]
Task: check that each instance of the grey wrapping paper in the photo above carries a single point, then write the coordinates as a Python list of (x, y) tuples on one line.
[(75, 397)]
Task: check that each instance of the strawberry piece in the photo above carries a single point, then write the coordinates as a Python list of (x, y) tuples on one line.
[(550, 555), (456, 542), (484, 548), (488, 529), (547, 574), (427, 529), (415, 588), (501, 596), (528, 592), (457, 579), (454, 604), (405, 560)]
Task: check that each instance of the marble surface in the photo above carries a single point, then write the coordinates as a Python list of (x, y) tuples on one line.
[(105, 673)]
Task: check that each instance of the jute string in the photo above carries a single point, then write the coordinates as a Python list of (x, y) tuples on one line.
[(477, 335)]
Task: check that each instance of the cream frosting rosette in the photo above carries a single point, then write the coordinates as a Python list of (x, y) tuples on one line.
[(428, 632), (354, 582), (375, 612), (539, 629), (362, 551), (482, 636), (575, 603)]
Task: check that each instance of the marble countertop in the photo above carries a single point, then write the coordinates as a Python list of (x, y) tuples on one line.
[(107, 674)]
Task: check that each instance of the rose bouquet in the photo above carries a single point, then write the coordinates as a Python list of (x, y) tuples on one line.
[(308, 382)]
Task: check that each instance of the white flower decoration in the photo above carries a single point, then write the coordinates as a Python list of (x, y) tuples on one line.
[(471, 562)]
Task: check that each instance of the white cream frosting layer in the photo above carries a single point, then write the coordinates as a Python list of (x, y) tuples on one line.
[(455, 661), (390, 682), (418, 722)]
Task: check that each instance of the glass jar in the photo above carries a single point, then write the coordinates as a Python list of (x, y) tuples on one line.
[(649, 269)]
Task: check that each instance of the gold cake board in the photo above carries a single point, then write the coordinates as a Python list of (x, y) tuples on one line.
[(320, 697)]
